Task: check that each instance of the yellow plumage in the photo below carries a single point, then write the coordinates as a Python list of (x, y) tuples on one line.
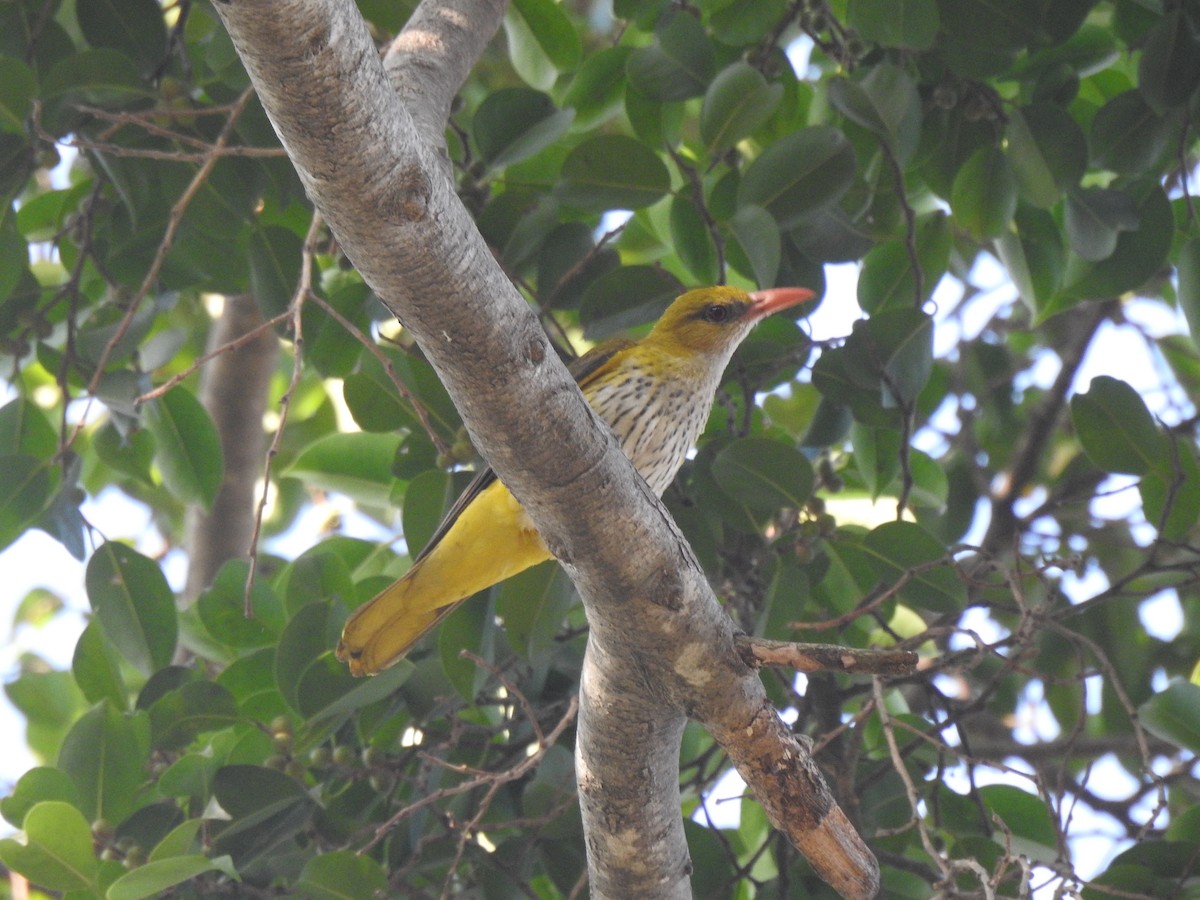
[(655, 394)]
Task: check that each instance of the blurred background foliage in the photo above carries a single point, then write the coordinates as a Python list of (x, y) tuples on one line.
[(1011, 183)]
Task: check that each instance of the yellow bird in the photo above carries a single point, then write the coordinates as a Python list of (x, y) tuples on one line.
[(655, 394)]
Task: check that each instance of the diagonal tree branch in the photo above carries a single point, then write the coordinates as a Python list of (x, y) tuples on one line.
[(660, 646)]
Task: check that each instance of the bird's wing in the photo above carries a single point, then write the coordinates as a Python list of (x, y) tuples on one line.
[(584, 370)]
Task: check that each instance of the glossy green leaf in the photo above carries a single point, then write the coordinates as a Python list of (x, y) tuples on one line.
[(135, 28), (1032, 252), (984, 196), (274, 254), (106, 753), (1026, 817), (27, 487), (532, 605), (624, 298), (17, 89), (37, 785), (1048, 152), (1095, 217), (759, 239), (329, 696), (1169, 67), (133, 604), (426, 501), (911, 24), (268, 809), (876, 456), (222, 609), (1116, 429), (96, 669), (764, 474), (1174, 715), (799, 175), (187, 447), (906, 550), (1171, 494), (357, 465), (57, 853), (130, 454), (103, 77), (613, 171), (525, 52), (341, 875), (889, 279), (515, 123), (598, 87), (1188, 268), (156, 876), (738, 101), (1139, 254), (190, 710), (14, 257), (885, 101), (472, 627), (1128, 136), (553, 31), (679, 64), (693, 241)]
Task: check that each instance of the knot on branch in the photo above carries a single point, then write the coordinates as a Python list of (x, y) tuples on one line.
[(409, 198)]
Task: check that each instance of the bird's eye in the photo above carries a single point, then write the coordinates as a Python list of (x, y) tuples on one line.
[(716, 313)]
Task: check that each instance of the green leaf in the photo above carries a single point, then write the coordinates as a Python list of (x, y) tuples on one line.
[(130, 454), (1188, 267), (525, 52), (911, 24), (1047, 150), (1139, 254), (58, 852), (96, 669), (18, 86), (984, 195), (27, 487), (553, 31), (102, 77), (532, 605), (275, 253), (426, 501), (1032, 251), (692, 240), (134, 28), (222, 609), (799, 175), (37, 785), (189, 710), (679, 64), (1128, 136), (1095, 217), (187, 447), (513, 124), (888, 278), (624, 298), (341, 875), (1174, 715), (357, 465), (106, 753), (1026, 817), (134, 605), (613, 171), (763, 473), (1116, 429), (1171, 496), (876, 456), (1169, 67), (884, 102), (472, 626), (758, 236), (268, 810), (596, 91), (900, 548), (156, 876), (738, 101)]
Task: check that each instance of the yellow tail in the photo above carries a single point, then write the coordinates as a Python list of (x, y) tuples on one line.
[(491, 540)]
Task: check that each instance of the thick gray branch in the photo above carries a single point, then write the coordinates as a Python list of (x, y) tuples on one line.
[(660, 645)]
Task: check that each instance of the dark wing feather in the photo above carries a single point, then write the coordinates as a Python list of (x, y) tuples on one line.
[(584, 370)]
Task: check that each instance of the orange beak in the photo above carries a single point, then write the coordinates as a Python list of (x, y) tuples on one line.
[(771, 300)]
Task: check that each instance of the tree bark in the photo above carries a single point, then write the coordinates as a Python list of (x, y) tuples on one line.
[(234, 391), (660, 648)]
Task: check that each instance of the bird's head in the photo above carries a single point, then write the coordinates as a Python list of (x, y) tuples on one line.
[(712, 321)]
